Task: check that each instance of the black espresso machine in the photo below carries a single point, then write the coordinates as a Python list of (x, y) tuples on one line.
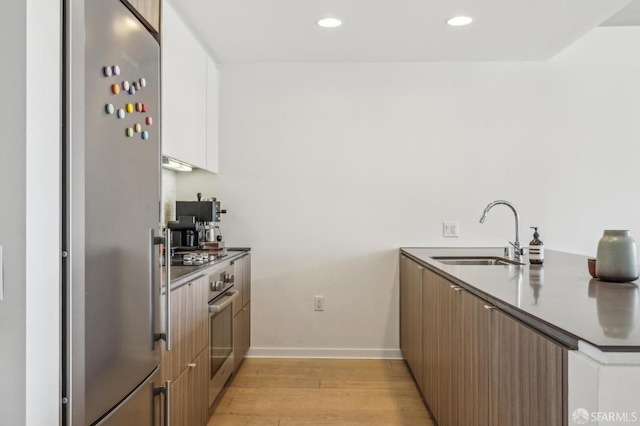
[(195, 225)]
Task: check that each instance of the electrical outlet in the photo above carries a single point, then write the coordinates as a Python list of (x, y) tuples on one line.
[(450, 229), (318, 303)]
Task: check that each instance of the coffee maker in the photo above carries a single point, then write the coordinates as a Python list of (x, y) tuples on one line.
[(195, 225)]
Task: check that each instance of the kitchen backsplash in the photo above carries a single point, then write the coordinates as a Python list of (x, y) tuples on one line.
[(168, 196)]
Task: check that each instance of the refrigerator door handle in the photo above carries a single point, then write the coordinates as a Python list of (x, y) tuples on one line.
[(167, 404), (167, 287), (166, 391), (155, 241), (152, 280)]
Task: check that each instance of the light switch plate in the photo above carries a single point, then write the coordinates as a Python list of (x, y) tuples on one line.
[(450, 229)]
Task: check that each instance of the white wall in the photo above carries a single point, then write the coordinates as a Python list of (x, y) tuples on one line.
[(43, 211), (12, 215), (326, 169), (30, 214)]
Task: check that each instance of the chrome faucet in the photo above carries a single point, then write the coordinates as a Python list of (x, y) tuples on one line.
[(518, 250)]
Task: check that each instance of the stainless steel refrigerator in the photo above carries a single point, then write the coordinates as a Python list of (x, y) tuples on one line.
[(111, 185)]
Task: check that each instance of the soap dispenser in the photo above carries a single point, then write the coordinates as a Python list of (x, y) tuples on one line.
[(536, 248)]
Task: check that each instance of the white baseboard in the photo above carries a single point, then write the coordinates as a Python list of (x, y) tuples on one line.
[(352, 353)]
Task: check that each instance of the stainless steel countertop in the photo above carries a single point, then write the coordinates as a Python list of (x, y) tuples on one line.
[(559, 299)]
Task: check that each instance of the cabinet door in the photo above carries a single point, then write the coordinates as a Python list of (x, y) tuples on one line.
[(212, 116), (189, 397), (200, 389), (179, 405), (473, 367), (449, 298), (411, 315), (246, 279), (238, 339), (180, 354), (247, 328), (528, 374), (199, 295), (189, 325), (241, 335), (238, 285), (184, 92), (430, 339)]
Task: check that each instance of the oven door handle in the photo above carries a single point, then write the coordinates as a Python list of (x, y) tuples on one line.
[(225, 301)]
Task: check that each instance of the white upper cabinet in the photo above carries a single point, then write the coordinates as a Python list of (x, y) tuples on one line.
[(184, 92), (212, 116)]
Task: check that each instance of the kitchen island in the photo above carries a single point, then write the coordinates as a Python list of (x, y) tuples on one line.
[(574, 342)]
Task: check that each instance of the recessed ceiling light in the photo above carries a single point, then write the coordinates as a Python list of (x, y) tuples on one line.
[(459, 21), (329, 22)]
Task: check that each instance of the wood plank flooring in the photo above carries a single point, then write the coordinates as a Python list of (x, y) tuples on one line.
[(284, 392)]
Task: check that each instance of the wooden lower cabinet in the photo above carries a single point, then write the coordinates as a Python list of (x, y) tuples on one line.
[(528, 375), (448, 351), (189, 394), (186, 366), (242, 310), (480, 366), (411, 316), (431, 335), (241, 335), (473, 371)]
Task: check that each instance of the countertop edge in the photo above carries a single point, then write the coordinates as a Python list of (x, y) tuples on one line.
[(560, 336), (571, 341)]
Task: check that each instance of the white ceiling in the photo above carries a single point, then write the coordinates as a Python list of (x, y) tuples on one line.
[(391, 30), (629, 15)]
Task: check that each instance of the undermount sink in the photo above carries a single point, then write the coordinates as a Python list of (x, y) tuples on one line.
[(471, 260)]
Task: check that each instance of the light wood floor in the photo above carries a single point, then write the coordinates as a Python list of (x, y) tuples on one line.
[(321, 392)]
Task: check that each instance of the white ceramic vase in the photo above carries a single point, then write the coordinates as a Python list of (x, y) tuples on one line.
[(617, 259)]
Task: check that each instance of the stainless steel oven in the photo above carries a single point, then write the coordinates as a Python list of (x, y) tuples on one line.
[(221, 297)]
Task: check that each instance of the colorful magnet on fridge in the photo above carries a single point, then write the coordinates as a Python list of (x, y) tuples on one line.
[(149, 121), (109, 108), (137, 127), (144, 108), (129, 132), (116, 70), (132, 90), (115, 89), (107, 71), (138, 107), (129, 108), (125, 85), (143, 82), (136, 85), (120, 113), (144, 135)]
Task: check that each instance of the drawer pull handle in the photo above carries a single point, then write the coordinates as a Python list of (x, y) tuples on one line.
[(192, 365), (455, 287), (489, 307)]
